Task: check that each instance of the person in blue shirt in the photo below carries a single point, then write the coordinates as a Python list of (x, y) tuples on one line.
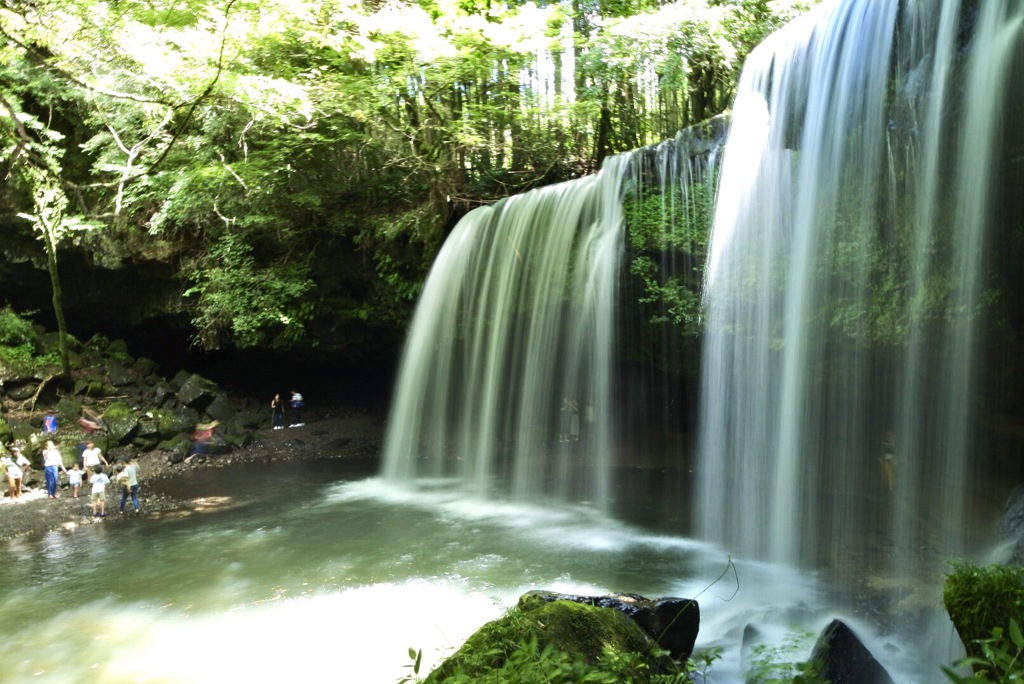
[(50, 423)]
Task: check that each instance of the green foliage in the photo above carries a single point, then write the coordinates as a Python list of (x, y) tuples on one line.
[(982, 599), (237, 299), (358, 126), (781, 664), (529, 664), (559, 642), (672, 229), (20, 346), (416, 655), (15, 331), (1001, 658)]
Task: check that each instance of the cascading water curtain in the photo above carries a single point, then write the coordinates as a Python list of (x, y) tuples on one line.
[(846, 285), (515, 318)]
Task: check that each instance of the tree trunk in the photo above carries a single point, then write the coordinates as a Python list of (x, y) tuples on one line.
[(58, 298)]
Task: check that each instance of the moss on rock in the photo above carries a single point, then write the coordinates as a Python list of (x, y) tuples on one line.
[(121, 421), (980, 599), (557, 641)]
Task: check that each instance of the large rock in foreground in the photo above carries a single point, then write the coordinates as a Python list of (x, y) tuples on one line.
[(672, 622), (546, 637)]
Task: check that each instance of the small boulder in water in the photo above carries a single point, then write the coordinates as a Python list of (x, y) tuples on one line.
[(842, 658)]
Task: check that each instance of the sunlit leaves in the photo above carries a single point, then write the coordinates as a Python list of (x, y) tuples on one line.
[(362, 125), (244, 302)]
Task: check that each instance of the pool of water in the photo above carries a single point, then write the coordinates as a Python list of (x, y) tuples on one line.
[(321, 570)]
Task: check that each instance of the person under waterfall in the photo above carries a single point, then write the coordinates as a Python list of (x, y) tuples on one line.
[(888, 459), (574, 420), (569, 420)]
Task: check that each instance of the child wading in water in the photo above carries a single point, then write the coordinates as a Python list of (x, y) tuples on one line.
[(99, 482)]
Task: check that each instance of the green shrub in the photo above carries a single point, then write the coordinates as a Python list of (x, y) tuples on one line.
[(19, 344), (981, 599), (15, 331), (1001, 659), (782, 665)]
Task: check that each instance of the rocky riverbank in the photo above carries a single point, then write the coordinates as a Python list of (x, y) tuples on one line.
[(336, 432)]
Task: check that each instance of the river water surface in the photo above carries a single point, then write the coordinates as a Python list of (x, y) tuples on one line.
[(319, 571)]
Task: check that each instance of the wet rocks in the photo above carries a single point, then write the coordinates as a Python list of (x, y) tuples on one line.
[(1010, 531), (545, 623), (839, 657), (119, 402), (671, 622)]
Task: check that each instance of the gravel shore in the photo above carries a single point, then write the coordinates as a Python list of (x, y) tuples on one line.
[(332, 433)]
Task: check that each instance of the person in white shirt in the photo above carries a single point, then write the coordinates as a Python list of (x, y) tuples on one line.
[(297, 403), (53, 462), (99, 481), (14, 475), (91, 458)]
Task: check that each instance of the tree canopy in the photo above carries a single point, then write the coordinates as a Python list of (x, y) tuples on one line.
[(281, 151)]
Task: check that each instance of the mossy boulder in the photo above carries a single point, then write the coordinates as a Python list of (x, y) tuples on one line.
[(221, 408), (6, 433), (179, 379), (175, 421), (982, 598), (672, 622), (163, 395), (121, 421), (147, 434), (146, 369), (68, 410), (119, 349), (23, 431), (21, 391), (119, 374), (177, 447), (197, 392), (556, 641), (239, 440)]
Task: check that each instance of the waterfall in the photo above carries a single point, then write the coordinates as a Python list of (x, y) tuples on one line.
[(521, 312), (849, 297), (512, 323), (848, 282)]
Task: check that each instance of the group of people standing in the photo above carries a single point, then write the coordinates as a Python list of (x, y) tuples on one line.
[(93, 463), (295, 402)]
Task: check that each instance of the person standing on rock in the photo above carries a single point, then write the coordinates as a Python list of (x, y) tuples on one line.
[(297, 404), (131, 485), (53, 462), (277, 406), (91, 459)]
